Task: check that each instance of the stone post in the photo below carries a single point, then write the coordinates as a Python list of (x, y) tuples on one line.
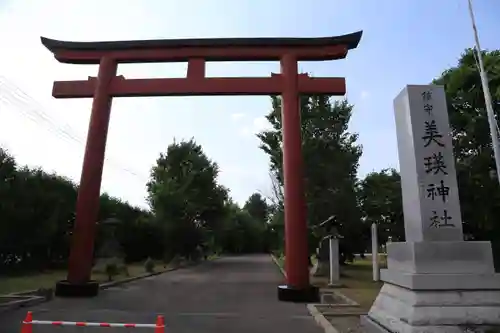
[(334, 261), (435, 281), (375, 260)]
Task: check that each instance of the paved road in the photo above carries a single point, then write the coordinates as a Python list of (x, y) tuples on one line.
[(228, 295)]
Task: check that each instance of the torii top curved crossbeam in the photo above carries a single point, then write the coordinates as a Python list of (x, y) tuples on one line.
[(210, 49)]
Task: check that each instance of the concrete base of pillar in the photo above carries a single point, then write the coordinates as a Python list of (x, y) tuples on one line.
[(309, 294), (67, 289)]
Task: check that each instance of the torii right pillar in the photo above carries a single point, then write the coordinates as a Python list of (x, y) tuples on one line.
[(435, 281)]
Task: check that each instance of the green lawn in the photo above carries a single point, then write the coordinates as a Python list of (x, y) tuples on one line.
[(281, 261), (358, 284), (356, 279), (48, 279)]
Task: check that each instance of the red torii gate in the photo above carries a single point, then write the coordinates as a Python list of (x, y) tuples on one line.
[(289, 83)]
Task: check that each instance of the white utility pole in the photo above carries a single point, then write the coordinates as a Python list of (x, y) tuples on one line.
[(487, 96)]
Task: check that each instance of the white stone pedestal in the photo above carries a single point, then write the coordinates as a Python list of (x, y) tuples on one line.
[(437, 287), (435, 281)]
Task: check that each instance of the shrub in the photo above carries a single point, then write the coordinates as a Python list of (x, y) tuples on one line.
[(149, 265), (111, 270)]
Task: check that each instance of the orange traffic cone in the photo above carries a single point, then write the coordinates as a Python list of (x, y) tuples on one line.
[(26, 326), (160, 325)]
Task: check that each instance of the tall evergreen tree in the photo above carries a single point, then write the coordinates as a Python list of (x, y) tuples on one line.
[(331, 158)]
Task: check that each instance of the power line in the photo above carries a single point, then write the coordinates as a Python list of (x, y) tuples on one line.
[(14, 96)]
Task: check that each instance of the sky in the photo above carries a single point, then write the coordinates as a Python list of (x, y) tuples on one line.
[(404, 42)]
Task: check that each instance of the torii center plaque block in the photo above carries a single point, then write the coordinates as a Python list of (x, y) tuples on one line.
[(435, 281)]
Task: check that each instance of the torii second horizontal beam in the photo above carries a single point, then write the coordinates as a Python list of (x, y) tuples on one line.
[(121, 87)]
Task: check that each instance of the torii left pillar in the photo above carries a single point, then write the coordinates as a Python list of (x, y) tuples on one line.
[(87, 204)]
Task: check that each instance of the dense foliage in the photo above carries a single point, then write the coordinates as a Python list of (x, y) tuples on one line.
[(331, 159), (478, 186), (37, 215), (191, 214), (380, 202), (331, 156)]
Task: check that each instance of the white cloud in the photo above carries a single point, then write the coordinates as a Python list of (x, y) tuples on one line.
[(258, 125), (237, 116), (245, 131), (261, 124)]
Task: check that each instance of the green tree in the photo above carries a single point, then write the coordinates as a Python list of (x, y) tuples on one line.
[(381, 202), (479, 191), (37, 210), (276, 226), (185, 197), (241, 232), (257, 207), (331, 157)]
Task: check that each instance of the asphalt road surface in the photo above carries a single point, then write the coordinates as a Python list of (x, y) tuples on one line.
[(227, 295)]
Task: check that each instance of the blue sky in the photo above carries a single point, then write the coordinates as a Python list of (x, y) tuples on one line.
[(404, 42)]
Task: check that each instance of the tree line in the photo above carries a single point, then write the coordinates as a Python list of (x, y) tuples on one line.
[(331, 156), (191, 215)]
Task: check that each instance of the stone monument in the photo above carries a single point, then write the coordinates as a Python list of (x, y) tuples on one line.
[(322, 265), (328, 251), (375, 259), (334, 280), (435, 281)]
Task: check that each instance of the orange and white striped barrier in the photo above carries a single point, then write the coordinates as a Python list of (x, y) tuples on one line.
[(28, 322)]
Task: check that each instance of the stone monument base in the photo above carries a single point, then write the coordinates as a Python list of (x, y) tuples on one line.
[(431, 287), (402, 310)]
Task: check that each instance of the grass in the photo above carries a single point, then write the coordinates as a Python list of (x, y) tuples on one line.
[(358, 284), (213, 256), (280, 260), (356, 279), (48, 279)]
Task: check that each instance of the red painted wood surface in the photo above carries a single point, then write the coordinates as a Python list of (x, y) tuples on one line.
[(193, 86), (296, 249), (87, 203)]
